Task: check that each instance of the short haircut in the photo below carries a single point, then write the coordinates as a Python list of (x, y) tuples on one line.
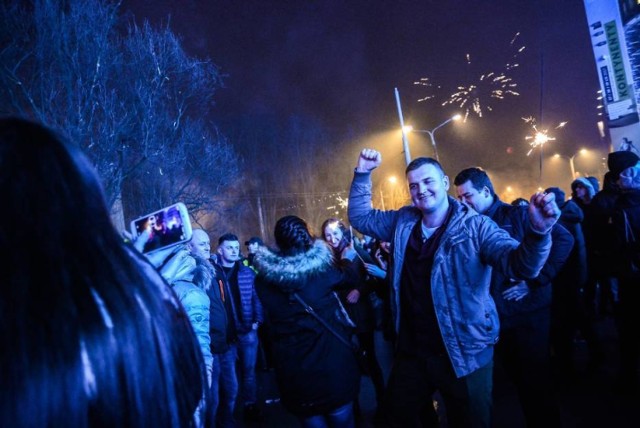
[(227, 237), (478, 178), (418, 162)]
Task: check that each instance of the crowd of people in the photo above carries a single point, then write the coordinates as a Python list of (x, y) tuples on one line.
[(102, 333)]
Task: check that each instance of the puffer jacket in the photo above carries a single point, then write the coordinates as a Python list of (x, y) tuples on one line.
[(461, 272), (250, 310), (316, 372), (196, 304)]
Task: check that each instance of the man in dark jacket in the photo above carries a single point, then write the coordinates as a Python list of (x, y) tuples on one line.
[(569, 311), (604, 242), (524, 306), (245, 314)]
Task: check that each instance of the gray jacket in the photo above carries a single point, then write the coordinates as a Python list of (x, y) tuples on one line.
[(461, 272)]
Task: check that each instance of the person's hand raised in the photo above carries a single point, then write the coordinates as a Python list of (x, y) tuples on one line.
[(543, 212), (368, 160)]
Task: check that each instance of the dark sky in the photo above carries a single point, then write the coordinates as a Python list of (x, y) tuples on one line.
[(339, 61)]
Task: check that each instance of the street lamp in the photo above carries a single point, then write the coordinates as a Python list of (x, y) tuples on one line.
[(571, 159), (431, 132), (392, 181)]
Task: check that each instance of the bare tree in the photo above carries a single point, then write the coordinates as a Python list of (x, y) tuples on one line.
[(299, 170), (128, 95)]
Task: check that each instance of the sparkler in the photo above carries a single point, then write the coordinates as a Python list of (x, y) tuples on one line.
[(539, 137), (476, 96)]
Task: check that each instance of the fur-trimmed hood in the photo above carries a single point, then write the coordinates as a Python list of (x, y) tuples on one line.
[(289, 272)]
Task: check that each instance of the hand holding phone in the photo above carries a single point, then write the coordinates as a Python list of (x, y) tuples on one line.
[(162, 229)]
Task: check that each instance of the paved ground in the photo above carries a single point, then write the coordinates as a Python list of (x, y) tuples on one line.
[(591, 400)]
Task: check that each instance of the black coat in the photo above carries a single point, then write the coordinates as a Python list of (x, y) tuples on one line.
[(628, 254), (316, 372), (515, 220)]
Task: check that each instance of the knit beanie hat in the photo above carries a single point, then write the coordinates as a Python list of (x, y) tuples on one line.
[(619, 161)]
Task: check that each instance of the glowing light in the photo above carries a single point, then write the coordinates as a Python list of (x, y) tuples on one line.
[(393, 179), (343, 202), (425, 82), (475, 95), (539, 137), (407, 129)]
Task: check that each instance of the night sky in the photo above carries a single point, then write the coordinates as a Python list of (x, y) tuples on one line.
[(339, 61)]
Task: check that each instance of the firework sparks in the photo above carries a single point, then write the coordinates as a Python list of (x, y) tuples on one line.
[(539, 137), (477, 95), (426, 83), (343, 202)]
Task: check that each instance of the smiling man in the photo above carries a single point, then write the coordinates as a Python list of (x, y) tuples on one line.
[(440, 273)]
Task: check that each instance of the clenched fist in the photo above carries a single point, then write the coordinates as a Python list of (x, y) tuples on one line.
[(368, 160)]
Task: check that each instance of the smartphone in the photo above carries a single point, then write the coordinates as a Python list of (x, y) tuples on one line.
[(167, 227)]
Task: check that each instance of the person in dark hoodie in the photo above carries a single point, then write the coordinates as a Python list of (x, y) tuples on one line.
[(582, 193), (317, 374), (524, 306)]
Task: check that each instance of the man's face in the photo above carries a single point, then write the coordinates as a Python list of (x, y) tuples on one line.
[(581, 192), (333, 234), (479, 200), (428, 188), (229, 252), (200, 245), (252, 247)]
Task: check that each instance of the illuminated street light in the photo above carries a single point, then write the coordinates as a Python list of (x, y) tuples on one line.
[(431, 132), (571, 160), (392, 180)]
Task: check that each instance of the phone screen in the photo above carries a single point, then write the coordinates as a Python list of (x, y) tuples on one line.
[(165, 226)]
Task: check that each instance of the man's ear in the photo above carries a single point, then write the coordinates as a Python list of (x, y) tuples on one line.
[(445, 181), (486, 191)]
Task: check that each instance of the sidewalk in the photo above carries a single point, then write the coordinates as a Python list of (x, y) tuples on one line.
[(590, 400)]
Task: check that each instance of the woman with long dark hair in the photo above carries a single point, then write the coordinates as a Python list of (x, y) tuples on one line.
[(317, 374), (357, 299), (91, 334)]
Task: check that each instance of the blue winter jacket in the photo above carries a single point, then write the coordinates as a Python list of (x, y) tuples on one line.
[(461, 272), (250, 309)]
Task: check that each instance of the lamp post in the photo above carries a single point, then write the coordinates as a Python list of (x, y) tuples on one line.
[(392, 180), (571, 161), (431, 132)]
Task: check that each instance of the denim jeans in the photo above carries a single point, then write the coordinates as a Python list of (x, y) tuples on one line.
[(224, 388), (247, 353), (342, 417)]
